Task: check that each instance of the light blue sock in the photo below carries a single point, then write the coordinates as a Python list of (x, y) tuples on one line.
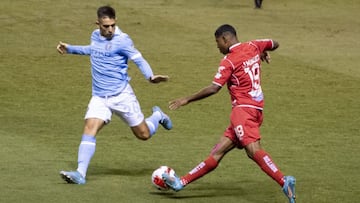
[(86, 152), (153, 122)]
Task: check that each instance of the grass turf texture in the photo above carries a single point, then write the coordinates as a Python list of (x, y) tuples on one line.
[(311, 122)]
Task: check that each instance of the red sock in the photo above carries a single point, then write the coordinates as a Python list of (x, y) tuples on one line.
[(200, 170), (266, 164)]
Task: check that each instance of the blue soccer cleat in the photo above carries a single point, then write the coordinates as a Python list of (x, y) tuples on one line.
[(173, 182), (73, 177), (289, 188), (165, 120)]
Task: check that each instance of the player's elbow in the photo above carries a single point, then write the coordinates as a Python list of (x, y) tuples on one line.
[(213, 89)]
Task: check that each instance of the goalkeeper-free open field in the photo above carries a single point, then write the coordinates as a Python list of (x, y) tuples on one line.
[(311, 86)]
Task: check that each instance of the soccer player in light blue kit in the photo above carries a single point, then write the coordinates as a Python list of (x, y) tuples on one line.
[(109, 51)]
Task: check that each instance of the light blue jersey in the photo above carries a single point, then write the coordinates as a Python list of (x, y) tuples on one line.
[(109, 62)]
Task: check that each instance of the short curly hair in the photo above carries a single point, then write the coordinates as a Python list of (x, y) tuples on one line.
[(223, 29)]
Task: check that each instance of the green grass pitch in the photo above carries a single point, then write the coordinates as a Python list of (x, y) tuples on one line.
[(312, 91)]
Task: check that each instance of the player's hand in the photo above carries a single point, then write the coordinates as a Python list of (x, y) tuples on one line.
[(265, 56), (158, 78), (62, 47), (175, 104)]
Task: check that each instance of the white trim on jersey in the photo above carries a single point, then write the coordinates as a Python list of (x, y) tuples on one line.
[(249, 106), (234, 45), (218, 84)]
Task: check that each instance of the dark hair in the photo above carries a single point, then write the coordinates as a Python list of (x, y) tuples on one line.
[(223, 29), (106, 11)]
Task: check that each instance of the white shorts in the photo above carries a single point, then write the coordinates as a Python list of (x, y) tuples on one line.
[(125, 105)]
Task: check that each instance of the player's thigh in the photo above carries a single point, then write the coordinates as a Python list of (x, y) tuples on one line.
[(97, 108), (127, 107)]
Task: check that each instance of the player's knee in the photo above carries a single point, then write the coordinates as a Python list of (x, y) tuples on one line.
[(143, 135), (90, 130), (93, 125), (141, 131), (252, 148)]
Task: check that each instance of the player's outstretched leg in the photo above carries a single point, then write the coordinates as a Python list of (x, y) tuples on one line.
[(73, 177), (289, 188), (173, 182), (165, 120)]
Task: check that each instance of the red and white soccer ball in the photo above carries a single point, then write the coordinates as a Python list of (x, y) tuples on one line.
[(156, 177)]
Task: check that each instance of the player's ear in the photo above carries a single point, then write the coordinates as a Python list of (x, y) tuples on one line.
[(222, 38), (97, 22), (225, 38)]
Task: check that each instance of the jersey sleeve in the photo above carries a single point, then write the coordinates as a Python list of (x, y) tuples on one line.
[(128, 49), (144, 66), (223, 74), (81, 50), (263, 44)]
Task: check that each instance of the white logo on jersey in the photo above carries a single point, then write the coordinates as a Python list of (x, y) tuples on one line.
[(108, 46), (218, 74)]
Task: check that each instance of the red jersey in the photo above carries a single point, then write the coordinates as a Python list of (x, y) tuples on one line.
[(240, 69)]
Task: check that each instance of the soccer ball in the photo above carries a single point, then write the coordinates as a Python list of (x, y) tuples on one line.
[(156, 177)]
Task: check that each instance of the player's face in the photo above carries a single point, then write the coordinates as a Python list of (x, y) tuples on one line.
[(222, 45), (107, 27)]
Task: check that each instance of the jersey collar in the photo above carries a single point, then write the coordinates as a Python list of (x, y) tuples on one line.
[(235, 45)]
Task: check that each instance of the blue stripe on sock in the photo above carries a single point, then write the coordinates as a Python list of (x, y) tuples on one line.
[(88, 138)]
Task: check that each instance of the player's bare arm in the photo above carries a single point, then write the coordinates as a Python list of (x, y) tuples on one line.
[(158, 78), (203, 93), (62, 47)]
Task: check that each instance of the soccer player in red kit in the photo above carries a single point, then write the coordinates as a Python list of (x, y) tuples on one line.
[(240, 71)]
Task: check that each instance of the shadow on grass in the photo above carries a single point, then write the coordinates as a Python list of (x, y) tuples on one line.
[(244, 190), (172, 195), (123, 171), (205, 191)]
